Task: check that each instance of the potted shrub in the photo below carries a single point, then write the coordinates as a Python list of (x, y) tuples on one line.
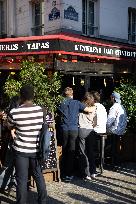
[(128, 96), (46, 88)]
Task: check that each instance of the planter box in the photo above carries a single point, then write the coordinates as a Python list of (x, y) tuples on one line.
[(129, 147)]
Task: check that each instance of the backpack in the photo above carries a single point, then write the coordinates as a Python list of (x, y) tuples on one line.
[(44, 143)]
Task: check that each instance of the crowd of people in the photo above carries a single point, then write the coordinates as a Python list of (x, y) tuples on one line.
[(81, 123)]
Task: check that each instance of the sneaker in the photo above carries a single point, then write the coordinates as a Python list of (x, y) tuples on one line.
[(88, 178), (93, 176)]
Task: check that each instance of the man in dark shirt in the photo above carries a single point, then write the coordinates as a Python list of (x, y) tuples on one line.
[(69, 110)]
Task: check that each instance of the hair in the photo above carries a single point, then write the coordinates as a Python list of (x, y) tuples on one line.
[(88, 97), (96, 96), (27, 92)]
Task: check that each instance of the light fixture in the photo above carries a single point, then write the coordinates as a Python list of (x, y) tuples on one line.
[(73, 80)]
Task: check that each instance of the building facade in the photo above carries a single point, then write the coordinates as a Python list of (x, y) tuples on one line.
[(90, 41)]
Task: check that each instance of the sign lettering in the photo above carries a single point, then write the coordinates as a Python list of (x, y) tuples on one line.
[(36, 46)]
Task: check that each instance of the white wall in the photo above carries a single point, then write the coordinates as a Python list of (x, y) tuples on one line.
[(114, 18), (71, 24), (56, 23), (62, 5)]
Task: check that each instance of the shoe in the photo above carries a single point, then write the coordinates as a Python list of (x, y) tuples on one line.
[(2, 190), (88, 178), (93, 176)]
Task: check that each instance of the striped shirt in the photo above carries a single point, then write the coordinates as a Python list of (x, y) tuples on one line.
[(27, 120)]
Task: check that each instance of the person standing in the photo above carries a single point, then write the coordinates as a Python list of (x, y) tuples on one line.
[(9, 158), (101, 122), (87, 139), (116, 125), (101, 114), (68, 112), (27, 122)]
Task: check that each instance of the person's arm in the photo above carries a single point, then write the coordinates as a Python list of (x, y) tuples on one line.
[(10, 122), (90, 109), (111, 117)]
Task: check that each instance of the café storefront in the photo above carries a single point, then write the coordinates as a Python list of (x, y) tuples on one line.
[(90, 62), (85, 62)]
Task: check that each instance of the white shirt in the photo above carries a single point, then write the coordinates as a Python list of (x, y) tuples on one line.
[(101, 118), (117, 119)]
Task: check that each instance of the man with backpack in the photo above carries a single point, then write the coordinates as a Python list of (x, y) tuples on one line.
[(27, 120)]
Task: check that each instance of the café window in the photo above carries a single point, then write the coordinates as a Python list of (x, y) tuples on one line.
[(132, 25), (88, 17), (38, 17), (2, 18)]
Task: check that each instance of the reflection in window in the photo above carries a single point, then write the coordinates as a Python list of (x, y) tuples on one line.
[(37, 18), (132, 25), (88, 21)]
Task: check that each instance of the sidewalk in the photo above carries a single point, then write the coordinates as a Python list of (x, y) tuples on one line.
[(112, 187)]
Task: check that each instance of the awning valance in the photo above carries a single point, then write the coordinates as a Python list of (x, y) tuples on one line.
[(65, 44)]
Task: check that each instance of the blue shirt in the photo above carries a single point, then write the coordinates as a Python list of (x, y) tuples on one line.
[(69, 111)]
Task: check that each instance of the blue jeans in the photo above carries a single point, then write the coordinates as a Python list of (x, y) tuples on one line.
[(22, 164)]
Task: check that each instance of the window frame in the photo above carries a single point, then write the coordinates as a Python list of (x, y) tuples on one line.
[(37, 28), (132, 25), (2, 17), (86, 28)]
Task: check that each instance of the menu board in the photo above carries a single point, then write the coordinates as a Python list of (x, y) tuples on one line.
[(51, 162)]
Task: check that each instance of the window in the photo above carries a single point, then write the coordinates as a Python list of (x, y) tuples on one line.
[(132, 25), (37, 17), (2, 17), (88, 21)]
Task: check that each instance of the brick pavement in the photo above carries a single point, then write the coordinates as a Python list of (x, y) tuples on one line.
[(112, 187)]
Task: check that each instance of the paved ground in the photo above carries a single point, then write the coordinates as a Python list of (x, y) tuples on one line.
[(112, 187)]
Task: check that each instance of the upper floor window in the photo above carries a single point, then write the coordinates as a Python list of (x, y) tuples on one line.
[(37, 17), (132, 25), (88, 20), (2, 18)]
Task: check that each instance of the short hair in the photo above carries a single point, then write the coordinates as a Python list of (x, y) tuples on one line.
[(68, 91), (27, 92), (96, 96)]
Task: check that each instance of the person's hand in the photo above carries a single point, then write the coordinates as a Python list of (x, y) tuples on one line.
[(4, 116), (1, 114), (13, 135)]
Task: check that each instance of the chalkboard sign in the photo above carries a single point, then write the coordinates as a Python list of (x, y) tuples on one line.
[(51, 162)]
